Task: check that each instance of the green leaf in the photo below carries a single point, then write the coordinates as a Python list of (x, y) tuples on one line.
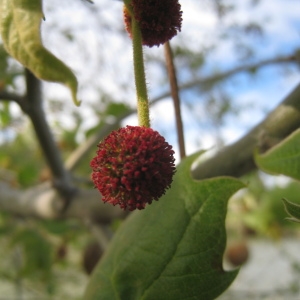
[(293, 210), (173, 249), (116, 109), (20, 22), (284, 158)]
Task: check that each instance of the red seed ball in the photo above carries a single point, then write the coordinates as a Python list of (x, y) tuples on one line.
[(159, 20), (133, 166)]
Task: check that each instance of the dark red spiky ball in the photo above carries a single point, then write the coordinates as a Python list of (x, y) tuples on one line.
[(159, 20), (133, 166)]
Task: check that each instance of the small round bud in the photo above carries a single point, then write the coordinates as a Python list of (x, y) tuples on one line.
[(237, 253)]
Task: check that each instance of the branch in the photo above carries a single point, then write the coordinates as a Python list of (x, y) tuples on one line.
[(211, 80), (237, 159), (6, 96), (32, 106), (43, 202), (175, 95)]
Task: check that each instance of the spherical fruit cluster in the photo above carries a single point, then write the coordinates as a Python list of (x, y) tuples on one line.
[(159, 20), (133, 166)]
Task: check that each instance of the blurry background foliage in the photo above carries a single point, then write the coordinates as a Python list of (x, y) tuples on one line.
[(46, 259)]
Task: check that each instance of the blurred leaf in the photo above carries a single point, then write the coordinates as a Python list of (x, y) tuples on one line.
[(68, 139), (116, 109), (3, 62), (28, 173), (37, 253), (269, 219), (174, 248), (56, 227), (284, 158), (6, 229), (12, 158), (20, 22), (112, 109), (5, 117), (293, 210)]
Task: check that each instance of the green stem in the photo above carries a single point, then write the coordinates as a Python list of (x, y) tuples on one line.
[(139, 74)]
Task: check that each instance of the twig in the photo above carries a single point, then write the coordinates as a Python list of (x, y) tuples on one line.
[(33, 108), (39, 202), (175, 95), (6, 96), (216, 78)]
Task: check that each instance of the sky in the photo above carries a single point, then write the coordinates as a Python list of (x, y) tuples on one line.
[(92, 41)]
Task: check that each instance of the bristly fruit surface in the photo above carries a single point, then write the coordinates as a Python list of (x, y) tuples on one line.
[(133, 166), (159, 20)]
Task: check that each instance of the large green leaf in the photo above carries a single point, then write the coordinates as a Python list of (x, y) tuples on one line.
[(284, 158), (20, 22), (173, 249)]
